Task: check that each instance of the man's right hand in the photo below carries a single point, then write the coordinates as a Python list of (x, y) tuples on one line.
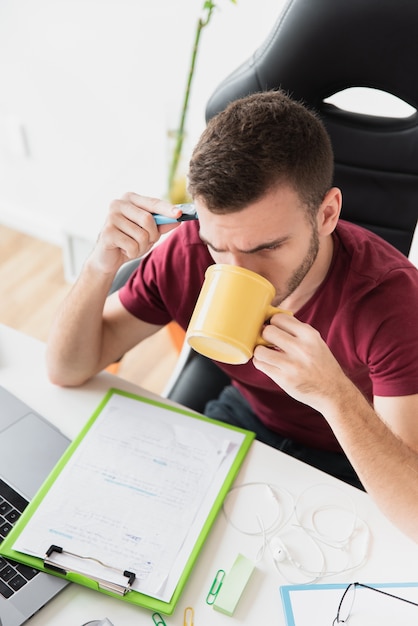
[(130, 231)]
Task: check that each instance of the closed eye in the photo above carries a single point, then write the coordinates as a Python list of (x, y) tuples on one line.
[(266, 246), (273, 246), (269, 246)]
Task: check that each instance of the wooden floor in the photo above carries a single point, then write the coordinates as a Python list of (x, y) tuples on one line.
[(32, 286)]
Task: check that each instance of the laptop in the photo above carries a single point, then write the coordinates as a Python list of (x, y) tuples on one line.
[(29, 448)]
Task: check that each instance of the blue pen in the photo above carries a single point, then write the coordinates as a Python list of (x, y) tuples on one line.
[(188, 213)]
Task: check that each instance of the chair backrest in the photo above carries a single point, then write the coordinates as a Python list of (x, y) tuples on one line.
[(320, 47)]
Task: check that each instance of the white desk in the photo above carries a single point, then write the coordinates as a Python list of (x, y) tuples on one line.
[(392, 557)]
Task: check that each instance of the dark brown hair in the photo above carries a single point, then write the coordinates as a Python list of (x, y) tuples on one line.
[(255, 144)]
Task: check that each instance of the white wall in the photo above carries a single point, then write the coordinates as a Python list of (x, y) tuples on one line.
[(86, 87)]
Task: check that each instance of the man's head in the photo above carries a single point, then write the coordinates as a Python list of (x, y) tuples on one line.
[(261, 179), (255, 144)]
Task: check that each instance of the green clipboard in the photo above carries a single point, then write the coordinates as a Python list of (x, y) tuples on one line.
[(77, 576)]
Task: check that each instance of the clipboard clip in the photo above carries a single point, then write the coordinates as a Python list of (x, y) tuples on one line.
[(106, 585)]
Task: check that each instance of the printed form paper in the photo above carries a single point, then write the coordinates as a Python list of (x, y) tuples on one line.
[(134, 495)]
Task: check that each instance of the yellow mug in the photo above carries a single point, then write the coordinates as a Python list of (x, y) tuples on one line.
[(232, 307)]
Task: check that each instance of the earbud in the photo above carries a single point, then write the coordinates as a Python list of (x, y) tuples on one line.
[(280, 553), (278, 550)]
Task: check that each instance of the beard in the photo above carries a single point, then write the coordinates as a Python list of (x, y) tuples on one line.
[(301, 271)]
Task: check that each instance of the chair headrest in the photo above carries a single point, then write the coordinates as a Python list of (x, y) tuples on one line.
[(320, 47)]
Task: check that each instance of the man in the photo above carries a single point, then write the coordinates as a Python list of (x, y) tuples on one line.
[(345, 363)]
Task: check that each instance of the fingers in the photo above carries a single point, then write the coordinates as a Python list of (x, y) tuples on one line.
[(286, 333), (152, 205), (131, 226), (130, 230), (293, 347), (299, 361), (282, 339)]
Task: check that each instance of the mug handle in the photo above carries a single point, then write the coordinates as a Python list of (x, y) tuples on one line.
[(271, 310)]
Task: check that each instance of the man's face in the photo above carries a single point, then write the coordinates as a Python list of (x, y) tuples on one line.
[(272, 237)]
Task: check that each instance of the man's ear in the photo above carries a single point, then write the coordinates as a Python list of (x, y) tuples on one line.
[(329, 211)]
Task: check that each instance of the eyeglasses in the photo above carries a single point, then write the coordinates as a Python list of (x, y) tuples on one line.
[(348, 597)]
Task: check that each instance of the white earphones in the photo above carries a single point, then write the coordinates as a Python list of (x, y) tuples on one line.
[(287, 565), (278, 550), (317, 535), (280, 553)]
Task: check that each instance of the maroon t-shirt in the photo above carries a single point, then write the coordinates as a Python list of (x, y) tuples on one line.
[(365, 309)]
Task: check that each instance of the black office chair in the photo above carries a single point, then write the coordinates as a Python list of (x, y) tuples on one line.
[(318, 48)]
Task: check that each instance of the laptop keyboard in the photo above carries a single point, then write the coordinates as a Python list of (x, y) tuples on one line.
[(13, 576)]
